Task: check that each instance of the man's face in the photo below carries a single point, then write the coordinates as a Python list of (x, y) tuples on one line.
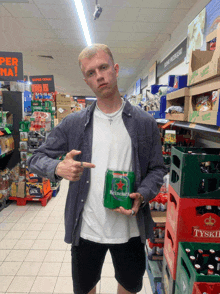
[(100, 74)]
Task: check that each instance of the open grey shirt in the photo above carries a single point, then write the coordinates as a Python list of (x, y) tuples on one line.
[(75, 132)]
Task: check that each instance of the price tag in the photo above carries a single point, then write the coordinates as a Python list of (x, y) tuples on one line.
[(1, 133), (8, 131), (192, 126)]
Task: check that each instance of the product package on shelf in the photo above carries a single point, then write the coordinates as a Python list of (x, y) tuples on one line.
[(204, 106), (6, 144), (154, 250), (40, 120), (6, 119), (177, 105)]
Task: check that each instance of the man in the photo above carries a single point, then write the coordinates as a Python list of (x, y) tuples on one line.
[(115, 135)]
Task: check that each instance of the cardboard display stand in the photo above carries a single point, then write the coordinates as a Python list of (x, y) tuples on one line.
[(205, 65)]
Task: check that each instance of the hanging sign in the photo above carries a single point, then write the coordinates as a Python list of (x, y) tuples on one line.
[(152, 76), (138, 87), (42, 84), (11, 66), (174, 58)]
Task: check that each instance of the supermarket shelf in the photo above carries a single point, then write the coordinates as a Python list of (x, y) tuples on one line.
[(193, 126), (154, 271), (198, 127), (5, 154)]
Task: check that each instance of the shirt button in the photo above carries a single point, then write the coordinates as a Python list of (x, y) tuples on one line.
[(82, 200), (87, 182), (76, 219)]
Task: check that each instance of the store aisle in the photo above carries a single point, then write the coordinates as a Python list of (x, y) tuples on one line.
[(33, 256)]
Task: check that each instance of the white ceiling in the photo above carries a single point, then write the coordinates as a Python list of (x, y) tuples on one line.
[(133, 29)]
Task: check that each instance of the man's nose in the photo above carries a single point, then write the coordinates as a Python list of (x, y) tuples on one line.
[(99, 75)]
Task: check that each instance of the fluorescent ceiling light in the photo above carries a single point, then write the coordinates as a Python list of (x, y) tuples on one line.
[(82, 17)]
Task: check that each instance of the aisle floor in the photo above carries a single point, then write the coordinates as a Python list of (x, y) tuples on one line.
[(33, 256)]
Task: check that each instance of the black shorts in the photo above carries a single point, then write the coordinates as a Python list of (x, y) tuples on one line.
[(128, 259)]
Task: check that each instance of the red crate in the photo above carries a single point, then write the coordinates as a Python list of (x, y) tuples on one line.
[(199, 288), (23, 201), (189, 226), (170, 250)]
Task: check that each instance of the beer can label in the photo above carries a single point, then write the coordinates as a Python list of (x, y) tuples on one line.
[(118, 186)]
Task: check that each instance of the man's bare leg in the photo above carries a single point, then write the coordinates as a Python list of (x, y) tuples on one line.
[(93, 291), (121, 290)]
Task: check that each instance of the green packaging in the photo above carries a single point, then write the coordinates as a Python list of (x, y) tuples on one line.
[(118, 186)]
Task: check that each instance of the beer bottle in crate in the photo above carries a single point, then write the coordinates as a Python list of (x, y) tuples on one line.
[(192, 259), (217, 264), (211, 270), (199, 257), (211, 259), (188, 252), (198, 268)]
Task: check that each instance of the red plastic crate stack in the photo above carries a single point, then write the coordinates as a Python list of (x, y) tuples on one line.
[(209, 288), (185, 224)]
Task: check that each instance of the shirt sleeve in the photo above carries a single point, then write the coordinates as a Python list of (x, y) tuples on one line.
[(151, 184)]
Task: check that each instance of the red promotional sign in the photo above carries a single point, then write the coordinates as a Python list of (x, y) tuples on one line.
[(11, 66), (42, 84)]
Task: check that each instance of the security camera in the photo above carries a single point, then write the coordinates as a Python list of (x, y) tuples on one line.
[(98, 11)]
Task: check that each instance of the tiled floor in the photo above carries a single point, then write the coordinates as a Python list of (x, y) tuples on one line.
[(33, 256)]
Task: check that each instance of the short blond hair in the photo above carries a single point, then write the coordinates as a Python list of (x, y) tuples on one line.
[(90, 51)]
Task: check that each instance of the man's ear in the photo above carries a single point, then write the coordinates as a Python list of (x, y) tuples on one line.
[(116, 67)]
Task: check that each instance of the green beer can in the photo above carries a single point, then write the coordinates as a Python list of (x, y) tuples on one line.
[(118, 186)]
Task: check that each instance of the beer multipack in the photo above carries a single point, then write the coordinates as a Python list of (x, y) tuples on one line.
[(118, 186)]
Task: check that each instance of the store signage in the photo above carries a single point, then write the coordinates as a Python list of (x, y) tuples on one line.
[(138, 87), (144, 83), (173, 59), (152, 77), (42, 84), (11, 66)]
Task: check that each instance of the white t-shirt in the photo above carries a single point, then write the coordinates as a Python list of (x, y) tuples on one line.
[(111, 149)]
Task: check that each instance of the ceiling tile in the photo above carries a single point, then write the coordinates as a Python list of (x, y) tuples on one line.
[(34, 23), (121, 3), (133, 44), (10, 25), (168, 28), (141, 27), (64, 24), (60, 11), (179, 15), (69, 34), (157, 15), (39, 34), (160, 4), (184, 4), (23, 10), (4, 12)]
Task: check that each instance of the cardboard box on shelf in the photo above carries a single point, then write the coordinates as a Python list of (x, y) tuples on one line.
[(178, 98), (204, 65), (63, 111), (63, 99), (212, 116)]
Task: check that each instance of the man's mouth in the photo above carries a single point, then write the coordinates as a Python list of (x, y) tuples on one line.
[(102, 85)]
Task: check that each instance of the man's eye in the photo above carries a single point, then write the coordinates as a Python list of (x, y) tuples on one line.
[(90, 73), (104, 67)]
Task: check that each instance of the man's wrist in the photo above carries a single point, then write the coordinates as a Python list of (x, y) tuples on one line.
[(55, 173), (142, 202)]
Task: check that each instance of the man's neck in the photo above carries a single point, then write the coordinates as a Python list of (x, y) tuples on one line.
[(109, 104)]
